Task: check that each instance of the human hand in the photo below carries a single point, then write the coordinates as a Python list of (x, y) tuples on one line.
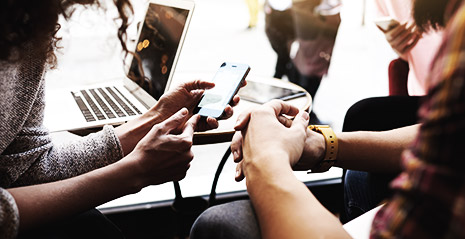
[(164, 154), (256, 135), (402, 38), (314, 147), (314, 151), (186, 95)]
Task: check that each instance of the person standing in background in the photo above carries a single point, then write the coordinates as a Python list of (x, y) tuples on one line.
[(254, 9), (416, 48), (303, 34)]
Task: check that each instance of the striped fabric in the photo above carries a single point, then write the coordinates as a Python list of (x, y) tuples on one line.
[(430, 194)]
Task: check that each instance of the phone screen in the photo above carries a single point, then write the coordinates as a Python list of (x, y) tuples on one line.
[(227, 81)]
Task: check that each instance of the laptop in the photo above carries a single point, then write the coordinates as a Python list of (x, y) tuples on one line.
[(160, 39)]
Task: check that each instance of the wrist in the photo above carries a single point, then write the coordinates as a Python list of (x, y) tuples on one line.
[(314, 151), (318, 143), (331, 148), (130, 174), (132, 131), (266, 165), (268, 175)]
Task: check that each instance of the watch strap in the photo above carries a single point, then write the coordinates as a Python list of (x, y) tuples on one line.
[(331, 148)]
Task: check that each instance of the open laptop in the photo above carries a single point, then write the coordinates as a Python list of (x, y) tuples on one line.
[(160, 39)]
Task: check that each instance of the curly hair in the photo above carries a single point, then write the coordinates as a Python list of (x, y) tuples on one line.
[(35, 23)]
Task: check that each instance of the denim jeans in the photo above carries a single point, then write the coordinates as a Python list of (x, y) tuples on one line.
[(364, 191)]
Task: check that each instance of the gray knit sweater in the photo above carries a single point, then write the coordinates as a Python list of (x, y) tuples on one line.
[(28, 155)]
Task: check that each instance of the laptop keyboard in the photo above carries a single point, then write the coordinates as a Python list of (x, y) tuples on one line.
[(100, 104)]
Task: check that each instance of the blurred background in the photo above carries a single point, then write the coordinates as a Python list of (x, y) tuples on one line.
[(220, 32)]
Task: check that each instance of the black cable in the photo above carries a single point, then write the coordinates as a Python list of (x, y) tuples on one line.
[(177, 190), (212, 198)]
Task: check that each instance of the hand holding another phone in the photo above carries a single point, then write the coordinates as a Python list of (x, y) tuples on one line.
[(401, 37)]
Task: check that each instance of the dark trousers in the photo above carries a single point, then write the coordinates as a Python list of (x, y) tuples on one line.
[(90, 224), (363, 191)]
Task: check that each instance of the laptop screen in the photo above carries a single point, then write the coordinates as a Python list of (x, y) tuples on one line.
[(159, 40)]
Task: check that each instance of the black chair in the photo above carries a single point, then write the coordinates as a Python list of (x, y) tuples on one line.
[(378, 114)]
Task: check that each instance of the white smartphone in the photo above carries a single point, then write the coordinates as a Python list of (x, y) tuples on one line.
[(227, 81), (386, 23)]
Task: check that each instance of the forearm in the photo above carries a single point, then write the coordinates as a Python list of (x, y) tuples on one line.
[(43, 203), (285, 207), (131, 132), (374, 151)]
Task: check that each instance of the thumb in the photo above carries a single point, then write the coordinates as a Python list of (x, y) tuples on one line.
[(243, 120), (175, 121), (300, 121)]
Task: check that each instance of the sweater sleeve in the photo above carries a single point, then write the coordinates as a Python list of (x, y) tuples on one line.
[(38, 159), (9, 215)]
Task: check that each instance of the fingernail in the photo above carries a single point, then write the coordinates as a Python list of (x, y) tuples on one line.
[(235, 155), (306, 116), (184, 111), (238, 173)]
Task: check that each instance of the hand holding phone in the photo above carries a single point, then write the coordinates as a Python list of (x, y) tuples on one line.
[(401, 37), (227, 81)]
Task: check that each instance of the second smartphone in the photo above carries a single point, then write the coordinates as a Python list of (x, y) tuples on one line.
[(227, 81)]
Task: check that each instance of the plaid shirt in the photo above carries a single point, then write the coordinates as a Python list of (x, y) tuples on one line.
[(430, 194)]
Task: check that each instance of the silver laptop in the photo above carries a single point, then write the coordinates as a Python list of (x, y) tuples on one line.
[(160, 39)]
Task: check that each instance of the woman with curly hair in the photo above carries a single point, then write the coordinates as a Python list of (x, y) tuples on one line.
[(45, 188)]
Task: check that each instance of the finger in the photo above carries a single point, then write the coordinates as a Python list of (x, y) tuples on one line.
[(198, 85), (235, 100), (239, 176), (412, 44), (236, 146), (285, 121), (228, 112), (411, 27), (243, 83), (190, 126), (212, 122), (181, 175), (280, 107), (243, 119), (175, 121), (300, 121), (395, 32), (401, 39)]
